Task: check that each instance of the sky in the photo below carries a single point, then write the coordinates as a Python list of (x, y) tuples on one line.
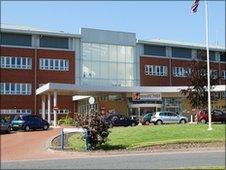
[(170, 20)]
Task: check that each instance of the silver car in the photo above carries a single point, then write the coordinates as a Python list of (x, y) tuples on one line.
[(5, 126), (168, 117)]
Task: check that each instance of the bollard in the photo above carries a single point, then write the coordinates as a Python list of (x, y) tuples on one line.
[(86, 139), (191, 118), (62, 139)]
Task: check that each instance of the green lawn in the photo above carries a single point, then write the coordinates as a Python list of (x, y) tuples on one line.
[(141, 136)]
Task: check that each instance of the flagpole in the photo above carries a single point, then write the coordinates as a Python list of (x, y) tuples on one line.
[(208, 66)]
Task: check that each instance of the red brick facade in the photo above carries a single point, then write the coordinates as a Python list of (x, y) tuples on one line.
[(170, 80), (43, 76)]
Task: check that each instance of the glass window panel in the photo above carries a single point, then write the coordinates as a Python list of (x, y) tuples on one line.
[(121, 71), (113, 53), (129, 54), (12, 88), (104, 52), (18, 62), (56, 64), (8, 62), (104, 68), (129, 71), (18, 88), (51, 64), (23, 62), (86, 69), (121, 54), (95, 52), (87, 51), (113, 71), (61, 64), (13, 62), (2, 87), (95, 70)]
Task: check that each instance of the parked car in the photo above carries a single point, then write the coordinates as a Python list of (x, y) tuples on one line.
[(146, 120), (27, 122), (216, 116), (168, 117), (5, 126), (120, 120)]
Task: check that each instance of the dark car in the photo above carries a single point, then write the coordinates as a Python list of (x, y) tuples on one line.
[(216, 116), (5, 126), (120, 120), (27, 122), (146, 120)]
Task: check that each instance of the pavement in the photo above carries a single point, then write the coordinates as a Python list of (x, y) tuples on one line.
[(30, 149), (20, 145)]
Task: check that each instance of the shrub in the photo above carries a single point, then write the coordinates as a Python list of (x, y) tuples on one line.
[(66, 121), (97, 129)]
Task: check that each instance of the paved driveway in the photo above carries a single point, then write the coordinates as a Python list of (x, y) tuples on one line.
[(26, 145)]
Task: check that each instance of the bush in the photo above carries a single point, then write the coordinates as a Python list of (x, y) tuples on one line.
[(97, 129), (66, 121)]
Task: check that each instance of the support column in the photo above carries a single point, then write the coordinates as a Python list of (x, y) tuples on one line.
[(54, 110), (49, 107), (43, 106)]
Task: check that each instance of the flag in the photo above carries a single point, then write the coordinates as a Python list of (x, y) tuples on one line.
[(194, 6)]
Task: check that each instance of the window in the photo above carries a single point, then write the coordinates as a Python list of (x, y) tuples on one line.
[(15, 39), (223, 56), (15, 111), (54, 64), (155, 70), (181, 71), (154, 50), (16, 62), (214, 73), (16, 88), (201, 54), (108, 65), (54, 42), (181, 52), (223, 74)]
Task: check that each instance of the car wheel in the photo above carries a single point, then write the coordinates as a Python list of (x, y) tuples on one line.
[(203, 121), (147, 122), (182, 121), (27, 128), (9, 129), (159, 122), (45, 127)]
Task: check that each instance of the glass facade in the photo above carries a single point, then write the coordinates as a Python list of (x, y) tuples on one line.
[(15, 39), (108, 65), (54, 42)]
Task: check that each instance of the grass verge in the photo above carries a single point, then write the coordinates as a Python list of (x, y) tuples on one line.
[(145, 136)]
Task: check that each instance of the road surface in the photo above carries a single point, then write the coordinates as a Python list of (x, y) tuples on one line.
[(164, 160)]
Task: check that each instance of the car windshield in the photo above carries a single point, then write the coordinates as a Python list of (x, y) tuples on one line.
[(18, 117)]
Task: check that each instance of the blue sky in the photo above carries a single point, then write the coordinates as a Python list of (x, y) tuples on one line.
[(170, 20)]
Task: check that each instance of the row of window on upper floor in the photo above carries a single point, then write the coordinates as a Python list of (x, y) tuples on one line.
[(26, 40), (12, 62), (184, 53), (159, 70)]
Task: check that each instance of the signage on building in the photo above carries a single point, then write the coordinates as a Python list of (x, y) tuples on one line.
[(91, 100), (147, 96), (55, 108)]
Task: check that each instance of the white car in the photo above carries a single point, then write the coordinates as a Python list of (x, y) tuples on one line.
[(159, 118)]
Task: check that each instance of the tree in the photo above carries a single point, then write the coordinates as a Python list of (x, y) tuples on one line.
[(196, 92), (96, 126)]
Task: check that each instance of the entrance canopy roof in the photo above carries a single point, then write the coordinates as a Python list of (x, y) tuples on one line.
[(73, 89)]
